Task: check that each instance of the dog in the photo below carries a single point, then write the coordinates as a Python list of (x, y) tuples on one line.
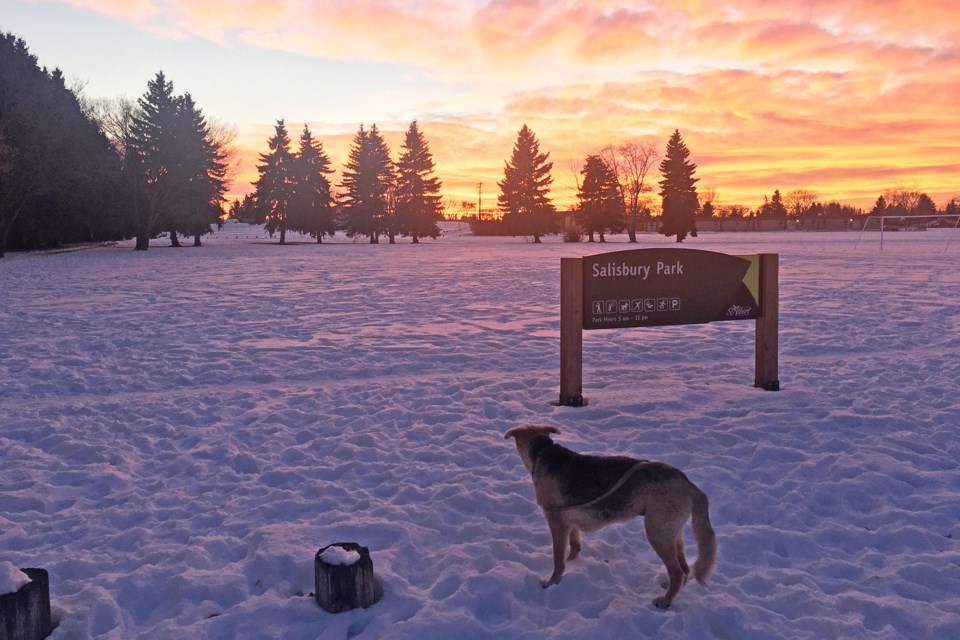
[(584, 493)]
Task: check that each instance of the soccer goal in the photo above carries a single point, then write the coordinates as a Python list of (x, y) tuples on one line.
[(912, 223)]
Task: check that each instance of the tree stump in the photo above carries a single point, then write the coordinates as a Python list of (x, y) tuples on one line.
[(25, 614), (341, 587)]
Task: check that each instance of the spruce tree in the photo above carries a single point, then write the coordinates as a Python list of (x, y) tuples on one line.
[(204, 163), (153, 142), (879, 207), (600, 208), (274, 188), (678, 190), (418, 191), (56, 165), (368, 182), (526, 182), (313, 207), (774, 207)]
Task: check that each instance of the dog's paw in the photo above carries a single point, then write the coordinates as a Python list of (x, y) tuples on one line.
[(549, 582), (661, 603)]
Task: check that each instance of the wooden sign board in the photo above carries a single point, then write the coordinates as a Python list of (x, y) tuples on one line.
[(657, 287)]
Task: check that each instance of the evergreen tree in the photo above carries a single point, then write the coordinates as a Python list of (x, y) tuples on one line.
[(526, 182), (880, 207), (153, 144), (56, 166), (313, 207), (418, 204), (204, 167), (368, 181), (601, 206), (678, 190), (774, 207), (953, 209), (925, 206), (274, 188)]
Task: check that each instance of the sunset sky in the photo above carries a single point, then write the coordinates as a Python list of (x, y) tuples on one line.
[(842, 97)]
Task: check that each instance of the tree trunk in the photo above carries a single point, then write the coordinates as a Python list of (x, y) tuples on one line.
[(174, 240), (283, 234), (196, 240), (416, 240), (632, 231), (6, 226)]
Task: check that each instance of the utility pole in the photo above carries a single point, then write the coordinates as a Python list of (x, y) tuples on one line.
[(479, 199)]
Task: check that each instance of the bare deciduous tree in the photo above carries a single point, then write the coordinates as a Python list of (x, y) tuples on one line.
[(903, 197), (799, 201), (631, 162)]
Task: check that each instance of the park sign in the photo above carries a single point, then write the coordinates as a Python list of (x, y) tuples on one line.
[(657, 287)]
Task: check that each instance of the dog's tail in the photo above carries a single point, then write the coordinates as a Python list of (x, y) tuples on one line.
[(704, 535)]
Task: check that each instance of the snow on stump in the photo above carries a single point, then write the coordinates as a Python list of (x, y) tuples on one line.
[(25, 613), (344, 578)]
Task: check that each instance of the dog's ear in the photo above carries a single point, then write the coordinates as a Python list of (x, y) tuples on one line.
[(516, 432)]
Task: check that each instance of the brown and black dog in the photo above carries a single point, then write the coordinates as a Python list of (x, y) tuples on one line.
[(583, 493)]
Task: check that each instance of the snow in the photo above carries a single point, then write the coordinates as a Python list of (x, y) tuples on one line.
[(182, 429), (11, 578), (340, 557)]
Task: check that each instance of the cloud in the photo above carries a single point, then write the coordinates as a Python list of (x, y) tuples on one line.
[(839, 97), (133, 10)]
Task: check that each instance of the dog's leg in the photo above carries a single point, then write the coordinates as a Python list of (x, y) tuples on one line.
[(663, 538), (682, 558), (575, 543), (560, 533)]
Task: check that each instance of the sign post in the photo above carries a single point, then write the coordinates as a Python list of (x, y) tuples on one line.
[(571, 332), (768, 324), (658, 287)]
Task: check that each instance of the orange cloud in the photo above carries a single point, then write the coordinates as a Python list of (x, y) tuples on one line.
[(842, 97)]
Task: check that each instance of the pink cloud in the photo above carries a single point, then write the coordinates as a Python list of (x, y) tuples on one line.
[(846, 95)]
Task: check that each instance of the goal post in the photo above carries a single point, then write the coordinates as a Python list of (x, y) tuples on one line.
[(914, 223)]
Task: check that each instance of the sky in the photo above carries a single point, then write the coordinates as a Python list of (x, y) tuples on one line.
[(842, 97)]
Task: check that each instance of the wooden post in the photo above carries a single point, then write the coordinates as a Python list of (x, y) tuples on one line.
[(571, 332), (768, 324), (25, 614), (344, 587)]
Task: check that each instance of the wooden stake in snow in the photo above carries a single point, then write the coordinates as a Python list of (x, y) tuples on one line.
[(25, 613), (344, 578)]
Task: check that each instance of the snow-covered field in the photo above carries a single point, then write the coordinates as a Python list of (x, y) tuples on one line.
[(182, 429)]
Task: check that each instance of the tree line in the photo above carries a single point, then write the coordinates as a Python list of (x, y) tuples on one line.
[(376, 198), (75, 170), (614, 193)]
